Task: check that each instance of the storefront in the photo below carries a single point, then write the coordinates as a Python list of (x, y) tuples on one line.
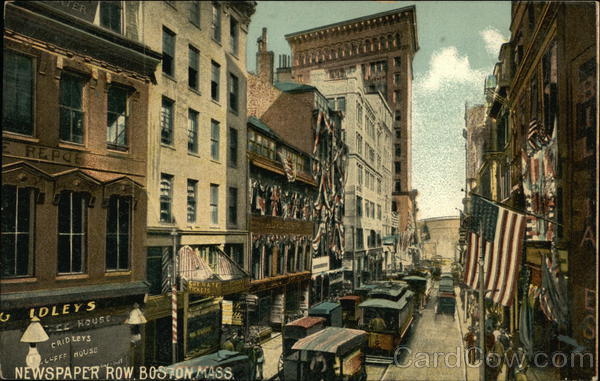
[(82, 332)]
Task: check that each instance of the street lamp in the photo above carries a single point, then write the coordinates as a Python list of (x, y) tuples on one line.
[(34, 334), (135, 319)]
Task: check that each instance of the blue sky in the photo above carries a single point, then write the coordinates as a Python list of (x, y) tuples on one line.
[(459, 42)]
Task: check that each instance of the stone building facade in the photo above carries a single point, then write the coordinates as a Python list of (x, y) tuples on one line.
[(197, 174), (74, 178), (368, 136), (383, 45)]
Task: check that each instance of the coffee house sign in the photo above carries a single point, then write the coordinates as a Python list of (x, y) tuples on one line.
[(48, 311)]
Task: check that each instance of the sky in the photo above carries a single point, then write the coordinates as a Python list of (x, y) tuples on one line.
[(459, 43)]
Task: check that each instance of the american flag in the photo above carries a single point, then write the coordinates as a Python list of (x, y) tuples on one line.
[(499, 233)]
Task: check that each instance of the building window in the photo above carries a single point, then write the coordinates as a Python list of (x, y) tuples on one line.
[(215, 80), (166, 121), (233, 200), (166, 197), (379, 186), (397, 61), (18, 213), (216, 22), (72, 221), (234, 35), (118, 232), (194, 15), (117, 115), (360, 240), (360, 174), (379, 212), (214, 204), (396, 79), (168, 61), (396, 96), (233, 92), (110, 15), (71, 109), (193, 67), (235, 252), (359, 144), (397, 167), (233, 147), (398, 151), (341, 104), (397, 186), (192, 131), (215, 132), (17, 89), (394, 206), (261, 145), (359, 206), (192, 196), (359, 115)]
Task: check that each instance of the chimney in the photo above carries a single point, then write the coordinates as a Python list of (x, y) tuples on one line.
[(284, 70), (265, 60)]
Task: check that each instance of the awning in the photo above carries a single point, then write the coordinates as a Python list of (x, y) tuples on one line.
[(332, 340), (222, 276), (71, 294)]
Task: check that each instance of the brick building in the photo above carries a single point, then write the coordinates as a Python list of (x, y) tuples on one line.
[(539, 156), (383, 45), (301, 117), (76, 84)]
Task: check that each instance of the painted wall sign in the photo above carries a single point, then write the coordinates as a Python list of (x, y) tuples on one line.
[(85, 10), (203, 325), (98, 341), (54, 310), (36, 152)]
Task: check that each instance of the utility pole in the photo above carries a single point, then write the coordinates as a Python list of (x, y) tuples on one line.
[(174, 297), (481, 304)]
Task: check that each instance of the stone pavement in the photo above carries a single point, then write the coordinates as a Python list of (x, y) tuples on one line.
[(435, 346), (272, 350)]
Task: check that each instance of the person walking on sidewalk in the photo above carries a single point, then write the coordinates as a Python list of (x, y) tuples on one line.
[(469, 339)]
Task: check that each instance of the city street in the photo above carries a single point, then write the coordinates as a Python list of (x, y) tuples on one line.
[(429, 336)]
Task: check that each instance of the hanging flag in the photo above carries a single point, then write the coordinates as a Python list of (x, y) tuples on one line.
[(499, 234)]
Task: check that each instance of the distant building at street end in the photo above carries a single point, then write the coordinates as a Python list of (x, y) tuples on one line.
[(439, 237)]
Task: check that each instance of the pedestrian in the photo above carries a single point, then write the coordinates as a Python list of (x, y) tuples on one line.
[(260, 359), (470, 345), (493, 357)]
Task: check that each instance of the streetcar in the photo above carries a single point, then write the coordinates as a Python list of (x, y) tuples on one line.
[(350, 310), (387, 316)]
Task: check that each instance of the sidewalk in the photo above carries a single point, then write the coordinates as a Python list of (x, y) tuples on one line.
[(272, 351), (471, 372)]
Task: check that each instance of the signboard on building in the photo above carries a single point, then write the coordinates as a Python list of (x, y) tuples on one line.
[(218, 287), (203, 322), (319, 265), (232, 313), (78, 340)]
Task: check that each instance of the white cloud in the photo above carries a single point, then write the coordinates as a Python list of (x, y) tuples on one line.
[(493, 39), (448, 67)]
